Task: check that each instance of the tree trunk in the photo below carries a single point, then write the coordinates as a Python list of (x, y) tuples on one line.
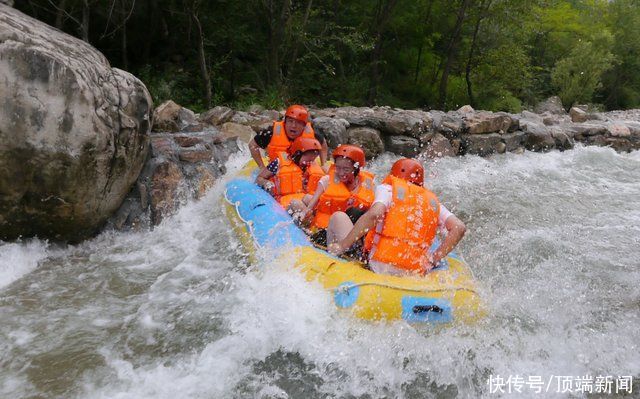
[(425, 22), (60, 17), (482, 15), (296, 43), (450, 53), (382, 16), (84, 28), (272, 56), (415, 78), (276, 24), (123, 36), (232, 76), (375, 72), (150, 31), (204, 70), (281, 26)]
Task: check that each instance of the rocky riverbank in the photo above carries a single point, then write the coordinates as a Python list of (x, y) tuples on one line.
[(78, 146), (189, 150)]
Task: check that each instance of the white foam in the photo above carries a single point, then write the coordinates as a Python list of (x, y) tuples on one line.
[(20, 258), (178, 313)]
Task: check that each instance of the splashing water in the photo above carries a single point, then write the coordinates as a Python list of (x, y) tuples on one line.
[(178, 312)]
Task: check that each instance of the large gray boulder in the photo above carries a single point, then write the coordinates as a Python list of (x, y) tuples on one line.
[(242, 132), (367, 138), (389, 121), (74, 132), (538, 138), (448, 124), (513, 141), (355, 116), (412, 123), (487, 122), (583, 113), (217, 115), (402, 145), (438, 146), (561, 138), (333, 129), (482, 144), (171, 117), (552, 105), (254, 120)]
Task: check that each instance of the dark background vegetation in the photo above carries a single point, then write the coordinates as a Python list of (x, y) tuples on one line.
[(492, 54)]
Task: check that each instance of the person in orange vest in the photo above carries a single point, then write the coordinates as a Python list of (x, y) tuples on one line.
[(341, 197), (278, 137), (402, 223), (293, 174)]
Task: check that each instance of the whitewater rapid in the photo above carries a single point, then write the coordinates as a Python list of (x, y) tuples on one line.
[(179, 312)]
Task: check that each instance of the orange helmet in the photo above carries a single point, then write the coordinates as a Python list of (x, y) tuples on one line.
[(354, 153), (303, 144), (408, 169), (297, 112)]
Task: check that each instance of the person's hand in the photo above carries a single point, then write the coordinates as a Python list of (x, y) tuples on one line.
[(325, 167), (335, 248), (428, 262), (269, 187), (300, 216), (306, 214)]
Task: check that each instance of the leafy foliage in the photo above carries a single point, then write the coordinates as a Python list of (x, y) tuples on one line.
[(493, 54), (578, 76)]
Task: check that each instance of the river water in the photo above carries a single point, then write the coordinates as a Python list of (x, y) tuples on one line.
[(178, 312)]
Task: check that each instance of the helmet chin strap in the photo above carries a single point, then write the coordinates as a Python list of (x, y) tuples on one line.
[(296, 157)]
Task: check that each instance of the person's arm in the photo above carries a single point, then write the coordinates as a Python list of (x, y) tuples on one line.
[(455, 231), (324, 152), (313, 202), (254, 149), (263, 180), (362, 226)]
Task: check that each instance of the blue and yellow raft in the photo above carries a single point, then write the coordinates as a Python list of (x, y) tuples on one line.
[(445, 295)]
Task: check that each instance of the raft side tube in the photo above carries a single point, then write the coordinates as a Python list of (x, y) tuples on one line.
[(267, 222)]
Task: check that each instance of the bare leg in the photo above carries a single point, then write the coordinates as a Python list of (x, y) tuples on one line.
[(339, 226), (296, 206)]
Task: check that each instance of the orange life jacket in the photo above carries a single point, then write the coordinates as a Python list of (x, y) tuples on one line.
[(291, 182), (409, 226), (280, 142), (313, 174), (337, 197)]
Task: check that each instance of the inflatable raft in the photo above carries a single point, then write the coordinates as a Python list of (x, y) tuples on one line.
[(446, 294)]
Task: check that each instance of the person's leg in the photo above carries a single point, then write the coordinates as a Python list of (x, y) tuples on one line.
[(339, 226), (296, 206)]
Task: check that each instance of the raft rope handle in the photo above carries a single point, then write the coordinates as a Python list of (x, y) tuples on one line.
[(427, 308), (248, 223), (350, 286)]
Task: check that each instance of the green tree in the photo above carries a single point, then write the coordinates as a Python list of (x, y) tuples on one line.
[(494, 54), (622, 82), (579, 75)]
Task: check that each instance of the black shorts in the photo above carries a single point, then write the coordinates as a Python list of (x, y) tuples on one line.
[(357, 249), (354, 214)]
